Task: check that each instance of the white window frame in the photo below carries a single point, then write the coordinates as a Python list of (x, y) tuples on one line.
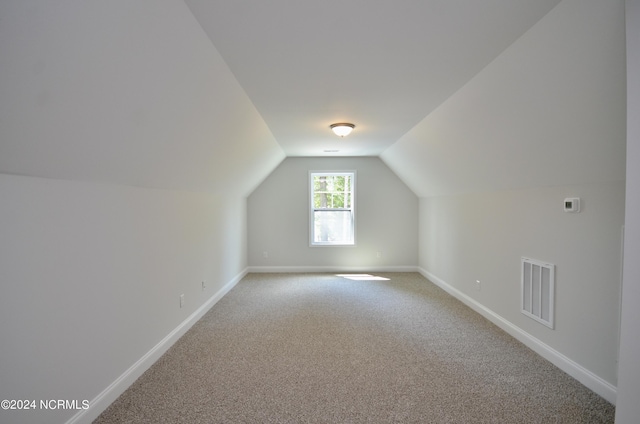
[(312, 209)]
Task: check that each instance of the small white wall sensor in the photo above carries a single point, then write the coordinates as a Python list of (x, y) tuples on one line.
[(572, 204)]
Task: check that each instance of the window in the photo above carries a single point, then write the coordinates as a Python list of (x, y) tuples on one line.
[(332, 220)]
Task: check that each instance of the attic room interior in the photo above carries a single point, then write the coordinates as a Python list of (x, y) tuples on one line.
[(155, 153)]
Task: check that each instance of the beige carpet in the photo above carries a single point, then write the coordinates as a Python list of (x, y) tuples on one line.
[(317, 348)]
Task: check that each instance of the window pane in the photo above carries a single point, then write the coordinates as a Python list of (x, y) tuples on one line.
[(337, 201), (333, 227), (331, 191), (319, 200)]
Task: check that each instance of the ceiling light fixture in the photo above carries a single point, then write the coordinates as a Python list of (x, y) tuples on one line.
[(342, 129)]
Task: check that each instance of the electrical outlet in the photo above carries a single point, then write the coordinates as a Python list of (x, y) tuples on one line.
[(181, 300), (204, 284), (478, 285)]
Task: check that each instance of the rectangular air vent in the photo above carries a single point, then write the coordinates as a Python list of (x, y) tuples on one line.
[(538, 289)]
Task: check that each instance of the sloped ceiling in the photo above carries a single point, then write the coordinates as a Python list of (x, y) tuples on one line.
[(454, 95), (124, 92), (381, 65), (549, 111)]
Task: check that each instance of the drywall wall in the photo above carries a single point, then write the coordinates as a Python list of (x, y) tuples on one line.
[(482, 237), (386, 219), (492, 165), (132, 149), (628, 407), (91, 278)]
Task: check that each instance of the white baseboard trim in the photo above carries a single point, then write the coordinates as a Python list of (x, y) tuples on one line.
[(583, 375), (314, 268), (115, 389)]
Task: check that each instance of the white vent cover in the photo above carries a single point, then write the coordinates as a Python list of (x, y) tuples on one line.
[(537, 287)]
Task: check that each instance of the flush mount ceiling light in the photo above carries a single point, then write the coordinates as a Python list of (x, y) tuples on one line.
[(342, 129)]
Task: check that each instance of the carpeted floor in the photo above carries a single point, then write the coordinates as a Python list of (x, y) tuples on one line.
[(318, 348)]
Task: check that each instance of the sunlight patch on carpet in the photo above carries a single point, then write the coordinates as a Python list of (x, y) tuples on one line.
[(363, 277)]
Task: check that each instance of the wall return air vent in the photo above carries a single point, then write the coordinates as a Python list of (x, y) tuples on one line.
[(538, 291)]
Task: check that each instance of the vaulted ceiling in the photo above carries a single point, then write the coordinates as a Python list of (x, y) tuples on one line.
[(455, 96), (381, 65)]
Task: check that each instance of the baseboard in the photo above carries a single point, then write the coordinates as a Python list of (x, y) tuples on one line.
[(313, 268), (115, 389), (583, 375)]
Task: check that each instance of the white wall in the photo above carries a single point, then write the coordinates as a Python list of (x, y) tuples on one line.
[(492, 165), (628, 407), (386, 218), (483, 236), (127, 150), (91, 278)]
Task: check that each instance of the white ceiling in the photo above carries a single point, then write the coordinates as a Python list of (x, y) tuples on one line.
[(455, 96), (381, 65)]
